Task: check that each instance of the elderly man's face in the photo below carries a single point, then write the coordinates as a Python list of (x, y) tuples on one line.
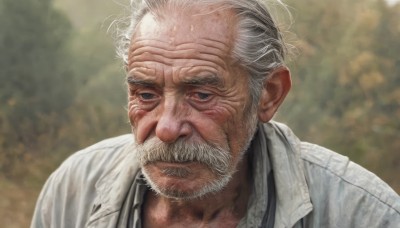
[(188, 102)]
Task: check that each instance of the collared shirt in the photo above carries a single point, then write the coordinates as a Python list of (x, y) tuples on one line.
[(261, 199), (314, 187)]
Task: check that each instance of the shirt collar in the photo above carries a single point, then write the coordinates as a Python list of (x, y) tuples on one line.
[(274, 148), (113, 186), (293, 197)]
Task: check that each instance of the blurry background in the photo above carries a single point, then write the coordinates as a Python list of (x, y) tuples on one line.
[(62, 89)]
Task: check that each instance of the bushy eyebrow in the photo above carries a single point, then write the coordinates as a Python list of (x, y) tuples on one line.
[(204, 80), (198, 80), (132, 80)]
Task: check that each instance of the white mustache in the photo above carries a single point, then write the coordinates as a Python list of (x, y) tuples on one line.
[(154, 150)]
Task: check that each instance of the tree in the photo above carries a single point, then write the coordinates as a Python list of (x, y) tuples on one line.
[(36, 76), (346, 81)]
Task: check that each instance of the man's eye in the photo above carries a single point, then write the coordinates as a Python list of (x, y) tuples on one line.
[(147, 96), (200, 96), (203, 96)]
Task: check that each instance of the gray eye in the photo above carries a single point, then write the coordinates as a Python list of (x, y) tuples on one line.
[(203, 96), (146, 96)]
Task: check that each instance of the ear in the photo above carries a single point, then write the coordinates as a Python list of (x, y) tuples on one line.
[(274, 91)]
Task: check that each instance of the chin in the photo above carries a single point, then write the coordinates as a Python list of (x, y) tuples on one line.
[(182, 184)]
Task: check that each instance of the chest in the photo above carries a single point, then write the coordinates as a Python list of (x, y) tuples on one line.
[(220, 221)]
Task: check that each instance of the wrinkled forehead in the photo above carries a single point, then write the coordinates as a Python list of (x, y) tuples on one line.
[(182, 24)]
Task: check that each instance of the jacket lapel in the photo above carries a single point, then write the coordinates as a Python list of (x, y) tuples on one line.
[(112, 190), (293, 198)]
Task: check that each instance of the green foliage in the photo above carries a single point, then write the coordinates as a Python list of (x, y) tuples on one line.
[(51, 76), (35, 73), (346, 81), (61, 88)]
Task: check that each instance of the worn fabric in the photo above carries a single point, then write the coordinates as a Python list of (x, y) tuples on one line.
[(260, 200), (101, 186)]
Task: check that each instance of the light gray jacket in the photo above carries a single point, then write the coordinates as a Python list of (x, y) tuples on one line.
[(315, 187)]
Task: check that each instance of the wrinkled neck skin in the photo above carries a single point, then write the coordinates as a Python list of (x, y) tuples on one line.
[(221, 209)]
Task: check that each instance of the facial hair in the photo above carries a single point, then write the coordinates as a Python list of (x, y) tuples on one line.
[(217, 158)]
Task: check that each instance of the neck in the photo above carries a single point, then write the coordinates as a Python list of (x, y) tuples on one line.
[(228, 204)]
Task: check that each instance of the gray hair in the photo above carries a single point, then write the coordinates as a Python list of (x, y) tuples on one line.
[(259, 45)]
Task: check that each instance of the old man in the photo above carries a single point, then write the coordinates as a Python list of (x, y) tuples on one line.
[(204, 80)]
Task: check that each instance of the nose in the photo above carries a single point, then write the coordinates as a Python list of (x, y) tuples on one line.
[(171, 124)]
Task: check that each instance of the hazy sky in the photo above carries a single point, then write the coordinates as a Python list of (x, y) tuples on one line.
[(391, 2)]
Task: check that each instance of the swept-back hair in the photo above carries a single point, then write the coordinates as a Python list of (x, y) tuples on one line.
[(259, 45)]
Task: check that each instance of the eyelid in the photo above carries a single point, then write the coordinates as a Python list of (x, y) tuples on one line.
[(139, 92), (141, 96), (194, 95)]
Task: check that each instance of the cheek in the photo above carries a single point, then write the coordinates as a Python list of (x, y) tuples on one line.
[(230, 123), (141, 121), (216, 125), (135, 113), (225, 116), (219, 115)]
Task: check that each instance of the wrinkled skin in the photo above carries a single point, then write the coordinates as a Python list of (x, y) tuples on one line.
[(183, 84)]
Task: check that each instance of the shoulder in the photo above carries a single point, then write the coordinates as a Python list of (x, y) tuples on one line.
[(89, 166), (71, 190), (322, 165), (106, 151), (106, 147), (346, 189), (94, 161), (342, 193)]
